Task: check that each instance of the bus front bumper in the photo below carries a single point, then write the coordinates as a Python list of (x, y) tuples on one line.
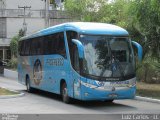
[(112, 93)]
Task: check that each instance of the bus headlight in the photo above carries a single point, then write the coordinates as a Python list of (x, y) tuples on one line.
[(132, 82)]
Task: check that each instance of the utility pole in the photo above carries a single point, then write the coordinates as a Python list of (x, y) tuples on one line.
[(2, 27), (46, 12), (2, 4), (24, 18)]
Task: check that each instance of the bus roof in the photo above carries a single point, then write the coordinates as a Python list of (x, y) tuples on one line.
[(83, 28)]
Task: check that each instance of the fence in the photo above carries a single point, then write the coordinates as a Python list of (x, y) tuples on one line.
[(10, 13)]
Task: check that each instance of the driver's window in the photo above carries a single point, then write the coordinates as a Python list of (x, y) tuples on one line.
[(73, 50), (76, 59)]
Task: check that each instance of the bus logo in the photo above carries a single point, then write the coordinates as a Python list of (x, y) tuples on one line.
[(37, 72), (101, 83)]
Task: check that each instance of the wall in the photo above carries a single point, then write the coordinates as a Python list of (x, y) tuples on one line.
[(11, 74), (15, 24), (35, 4)]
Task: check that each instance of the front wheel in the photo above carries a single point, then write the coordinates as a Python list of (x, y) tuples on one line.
[(64, 93), (108, 101)]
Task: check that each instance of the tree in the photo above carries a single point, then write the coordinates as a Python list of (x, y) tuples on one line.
[(14, 46), (14, 49), (84, 10), (14, 43), (141, 18), (147, 22)]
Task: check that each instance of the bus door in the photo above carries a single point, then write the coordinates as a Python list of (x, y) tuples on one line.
[(75, 75), (74, 58)]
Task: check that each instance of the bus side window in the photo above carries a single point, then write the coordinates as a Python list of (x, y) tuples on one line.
[(45, 46), (76, 59), (27, 47), (49, 46), (73, 49), (53, 44), (19, 47), (39, 46), (61, 45), (33, 47), (42, 45), (23, 48)]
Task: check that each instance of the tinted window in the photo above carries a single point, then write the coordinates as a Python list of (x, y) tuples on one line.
[(39, 46), (61, 45), (73, 49), (50, 45), (27, 47), (33, 47), (22, 48), (19, 47), (45, 45), (54, 44)]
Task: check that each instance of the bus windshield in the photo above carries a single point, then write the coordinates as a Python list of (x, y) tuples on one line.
[(107, 56)]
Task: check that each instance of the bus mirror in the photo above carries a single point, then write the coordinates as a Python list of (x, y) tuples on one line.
[(140, 50), (80, 47)]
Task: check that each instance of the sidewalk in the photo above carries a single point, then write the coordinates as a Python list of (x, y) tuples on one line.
[(11, 84), (146, 99)]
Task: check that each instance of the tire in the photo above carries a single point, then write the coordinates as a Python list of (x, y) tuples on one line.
[(108, 101), (28, 86), (64, 93)]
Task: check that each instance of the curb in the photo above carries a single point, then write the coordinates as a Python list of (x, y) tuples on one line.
[(11, 96), (10, 74), (146, 99)]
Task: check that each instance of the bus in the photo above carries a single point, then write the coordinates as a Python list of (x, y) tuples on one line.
[(80, 60)]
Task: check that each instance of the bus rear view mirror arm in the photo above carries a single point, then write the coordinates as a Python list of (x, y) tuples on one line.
[(80, 47), (140, 50)]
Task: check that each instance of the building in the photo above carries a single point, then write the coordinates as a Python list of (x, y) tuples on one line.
[(29, 15)]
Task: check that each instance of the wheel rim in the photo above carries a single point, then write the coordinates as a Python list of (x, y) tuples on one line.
[(28, 85), (64, 93)]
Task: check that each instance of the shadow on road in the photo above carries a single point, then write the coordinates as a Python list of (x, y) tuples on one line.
[(93, 105)]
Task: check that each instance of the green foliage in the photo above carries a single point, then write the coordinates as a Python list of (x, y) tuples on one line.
[(14, 43), (99, 11), (148, 89), (140, 17), (14, 46), (14, 49), (147, 21), (12, 63), (149, 71), (21, 33), (84, 10), (52, 2), (4, 91)]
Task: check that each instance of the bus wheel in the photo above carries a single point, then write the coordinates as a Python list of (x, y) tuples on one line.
[(29, 89), (108, 101), (64, 93)]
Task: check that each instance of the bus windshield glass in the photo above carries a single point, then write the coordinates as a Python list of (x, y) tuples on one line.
[(107, 56)]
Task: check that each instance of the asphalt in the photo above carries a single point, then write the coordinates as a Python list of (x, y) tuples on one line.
[(147, 99), (46, 103)]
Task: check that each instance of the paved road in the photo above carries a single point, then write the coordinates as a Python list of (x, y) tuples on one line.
[(46, 103)]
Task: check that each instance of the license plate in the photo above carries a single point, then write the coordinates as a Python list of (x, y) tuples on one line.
[(113, 95), (119, 83), (107, 87)]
